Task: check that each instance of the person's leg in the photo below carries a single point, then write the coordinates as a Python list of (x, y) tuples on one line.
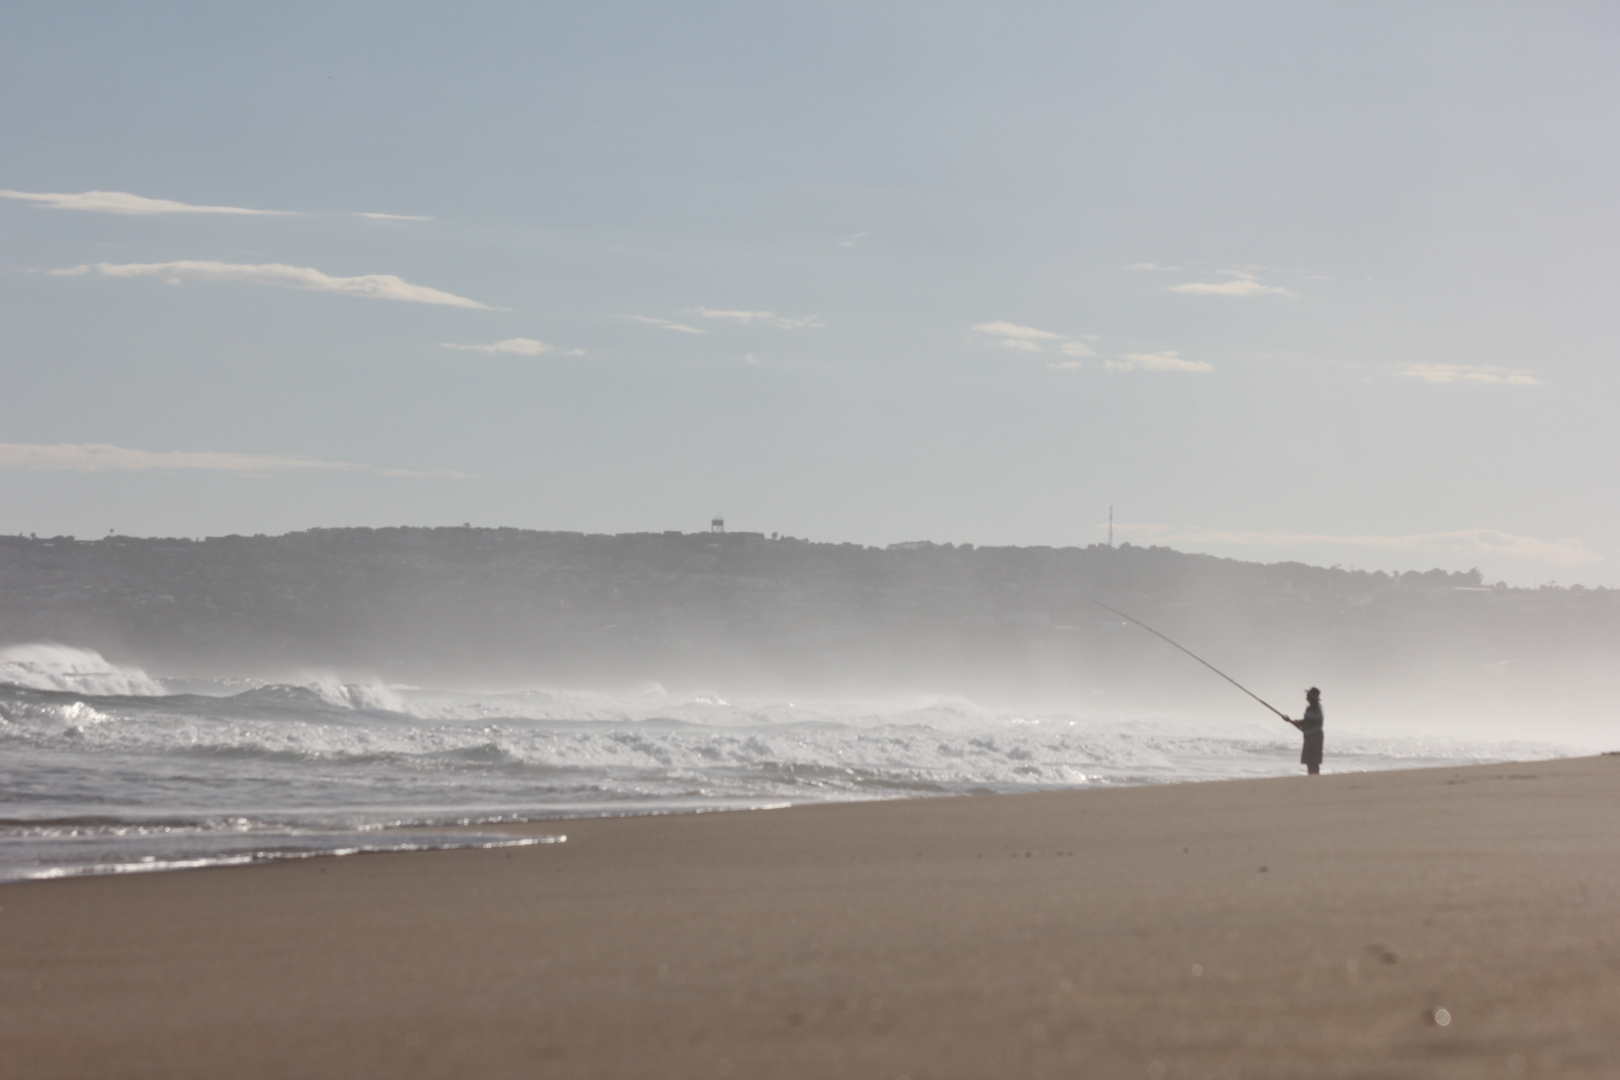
[(1313, 769)]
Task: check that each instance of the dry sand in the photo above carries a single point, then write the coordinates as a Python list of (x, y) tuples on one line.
[(1273, 928)]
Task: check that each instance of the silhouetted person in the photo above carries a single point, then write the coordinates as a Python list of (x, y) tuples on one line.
[(1311, 725)]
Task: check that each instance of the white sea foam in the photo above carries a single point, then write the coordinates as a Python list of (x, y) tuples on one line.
[(99, 855), (369, 695), (97, 781), (48, 666)]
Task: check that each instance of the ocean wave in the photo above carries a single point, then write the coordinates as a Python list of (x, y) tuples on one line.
[(949, 742), (111, 778), (48, 666)]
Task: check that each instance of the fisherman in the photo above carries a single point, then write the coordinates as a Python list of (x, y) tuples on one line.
[(1311, 725)]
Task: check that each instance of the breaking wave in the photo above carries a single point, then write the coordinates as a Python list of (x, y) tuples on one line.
[(47, 666), (103, 768)]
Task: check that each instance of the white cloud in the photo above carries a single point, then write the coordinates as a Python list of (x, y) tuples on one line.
[(1013, 330), (1153, 266), (1168, 360), (392, 217), (1010, 335), (101, 457), (1451, 373), (667, 324), (375, 286), (520, 346), (1465, 542), (765, 318), (853, 238), (1025, 338), (122, 202), (1243, 283)]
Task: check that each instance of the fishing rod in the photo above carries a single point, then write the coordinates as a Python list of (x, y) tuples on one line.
[(1196, 657)]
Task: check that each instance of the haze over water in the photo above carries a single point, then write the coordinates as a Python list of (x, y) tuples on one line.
[(106, 769)]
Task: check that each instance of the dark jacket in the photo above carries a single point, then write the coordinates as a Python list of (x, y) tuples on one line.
[(1311, 725)]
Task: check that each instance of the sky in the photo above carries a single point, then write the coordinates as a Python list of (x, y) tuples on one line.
[(1275, 281)]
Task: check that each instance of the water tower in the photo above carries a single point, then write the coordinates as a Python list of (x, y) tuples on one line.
[(717, 525)]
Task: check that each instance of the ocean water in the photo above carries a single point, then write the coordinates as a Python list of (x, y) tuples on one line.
[(106, 769)]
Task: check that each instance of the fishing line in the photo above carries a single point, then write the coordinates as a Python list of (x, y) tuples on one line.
[(1196, 657)]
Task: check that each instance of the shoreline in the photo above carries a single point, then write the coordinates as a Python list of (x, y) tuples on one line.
[(1277, 927), (277, 844)]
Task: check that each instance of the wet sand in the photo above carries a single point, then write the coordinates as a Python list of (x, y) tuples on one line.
[(1272, 928)]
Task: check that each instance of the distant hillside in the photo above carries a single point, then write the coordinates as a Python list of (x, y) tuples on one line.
[(740, 611)]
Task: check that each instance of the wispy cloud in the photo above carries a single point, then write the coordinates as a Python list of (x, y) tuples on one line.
[(1016, 332), (1242, 283), (853, 239), (667, 324), (122, 202), (1030, 339), (1461, 373), (1154, 267), (1010, 335), (760, 318), (392, 217), (1167, 360), (519, 346), (373, 286), (1465, 542), (102, 457)]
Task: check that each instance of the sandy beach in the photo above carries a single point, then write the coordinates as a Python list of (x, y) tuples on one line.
[(1458, 922)]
